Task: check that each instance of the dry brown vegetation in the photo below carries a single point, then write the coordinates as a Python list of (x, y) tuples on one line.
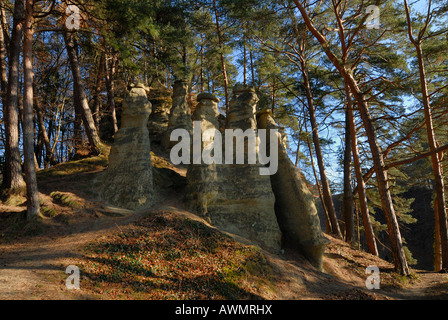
[(167, 252)]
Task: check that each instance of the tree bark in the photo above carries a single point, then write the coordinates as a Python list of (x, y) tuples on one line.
[(326, 192), (111, 63), (347, 203), (363, 207), (3, 67), (221, 51), (32, 193), (436, 165), (13, 175), (396, 242), (89, 123), (49, 156), (96, 98), (321, 197), (440, 207)]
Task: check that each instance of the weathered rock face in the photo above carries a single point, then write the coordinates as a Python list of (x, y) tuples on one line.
[(128, 181), (294, 205), (235, 197), (202, 178), (180, 113), (161, 102)]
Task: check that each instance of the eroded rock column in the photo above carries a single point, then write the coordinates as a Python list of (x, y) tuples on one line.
[(161, 102), (180, 113), (128, 181), (294, 206), (244, 201), (201, 177)]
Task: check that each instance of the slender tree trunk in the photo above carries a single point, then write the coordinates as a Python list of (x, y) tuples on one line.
[(328, 200), (201, 70), (396, 242), (221, 51), (111, 63), (3, 67), (13, 175), (97, 98), (77, 123), (49, 156), (440, 208), (436, 166), (28, 115), (244, 57), (319, 190), (252, 67), (437, 242), (274, 95), (363, 207), (347, 204), (89, 123)]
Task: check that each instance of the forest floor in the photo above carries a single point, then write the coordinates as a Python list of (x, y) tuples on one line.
[(167, 252)]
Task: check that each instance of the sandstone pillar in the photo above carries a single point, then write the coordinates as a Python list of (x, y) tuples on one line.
[(128, 181), (294, 206), (180, 113)]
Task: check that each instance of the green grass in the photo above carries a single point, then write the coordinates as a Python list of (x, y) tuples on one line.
[(64, 199), (74, 167)]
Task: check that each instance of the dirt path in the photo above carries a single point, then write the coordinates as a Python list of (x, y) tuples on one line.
[(35, 267), (428, 286)]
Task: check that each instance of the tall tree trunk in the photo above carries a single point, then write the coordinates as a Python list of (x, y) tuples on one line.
[(347, 203), (319, 189), (97, 98), (244, 56), (252, 67), (32, 193), (3, 67), (437, 242), (326, 192), (49, 156), (13, 175), (362, 196), (77, 123), (396, 242), (440, 208), (89, 123), (111, 63), (221, 51), (201, 70)]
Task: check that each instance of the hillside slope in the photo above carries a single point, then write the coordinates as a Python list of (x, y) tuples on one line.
[(167, 252)]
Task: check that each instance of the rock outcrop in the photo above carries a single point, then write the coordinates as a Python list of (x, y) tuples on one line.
[(202, 178), (294, 205), (235, 197), (128, 181), (161, 102), (180, 113)]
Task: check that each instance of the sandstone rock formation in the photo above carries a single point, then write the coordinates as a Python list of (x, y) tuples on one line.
[(294, 205), (161, 102), (128, 181), (201, 178), (180, 113), (235, 197)]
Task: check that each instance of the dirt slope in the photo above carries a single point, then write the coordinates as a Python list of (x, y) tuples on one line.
[(32, 265)]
